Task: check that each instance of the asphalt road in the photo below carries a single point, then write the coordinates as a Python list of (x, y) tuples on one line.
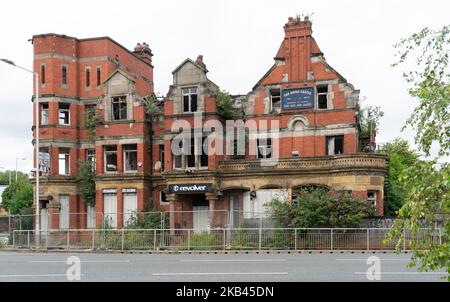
[(20, 266)]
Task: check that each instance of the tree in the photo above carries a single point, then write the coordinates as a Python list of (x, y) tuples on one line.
[(152, 112), (85, 181), (18, 196), (318, 208), (4, 177), (369, 118), (427, 197), (225, 106), (400, 158)]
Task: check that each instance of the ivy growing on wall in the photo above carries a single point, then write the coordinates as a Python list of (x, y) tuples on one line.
[(85, 181)]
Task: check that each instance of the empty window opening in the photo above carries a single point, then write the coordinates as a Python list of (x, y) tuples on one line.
[(162, 197), (111, 158), (63, 161), (44, 160), (130, 157), (372, 198), (161, 156), (119, 108), (322, 97), (189, 99), (64, 114), (275, 97), (335, 145)]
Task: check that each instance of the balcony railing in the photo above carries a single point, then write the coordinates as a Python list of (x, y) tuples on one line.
[(358, 160)]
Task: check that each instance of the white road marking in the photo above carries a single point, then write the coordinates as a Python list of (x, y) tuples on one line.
[(82, 261), (208, 274), (365, 259), (231, 260), (43, 275), (404, 273)]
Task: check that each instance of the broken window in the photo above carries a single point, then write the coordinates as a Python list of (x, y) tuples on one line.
[(88, 77), (119, 108), (111, 158), (63, 161), (264, 146), (372, 198), (64, 114), (44, 160), (90, 157), (64, 74), (43, 74), (335, 145), (44, 114), (99, 72), (275, 97), (189, 99), (130, 157), (322, 97), (162, 197)]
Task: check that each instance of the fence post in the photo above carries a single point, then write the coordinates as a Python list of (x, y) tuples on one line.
[(9, 222), (260, 238), (368, 239), (224, 238), (154, 239), (93, 239), (440, 236), (14, 239), (189, 240), (123, 235), (68, 239), (295, 239), (331, 239), (28, 238)]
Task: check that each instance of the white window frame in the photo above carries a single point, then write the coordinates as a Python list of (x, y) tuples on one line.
[(65, 111), (160, 198), (129, 196), (91, 157), (125, 153), (373, 199), (120, 99), (44, 114), (321, 94), (188, 91), (64, 158), (105, 153)]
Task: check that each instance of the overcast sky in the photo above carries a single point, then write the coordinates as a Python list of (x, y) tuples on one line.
[(238, 40)]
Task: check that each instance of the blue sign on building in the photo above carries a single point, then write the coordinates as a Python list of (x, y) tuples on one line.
[(297, 98)]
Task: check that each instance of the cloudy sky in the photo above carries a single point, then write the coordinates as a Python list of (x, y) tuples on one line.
[(238, 40)]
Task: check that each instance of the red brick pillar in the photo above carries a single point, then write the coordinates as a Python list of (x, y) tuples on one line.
[(172, 199), (212, 198)]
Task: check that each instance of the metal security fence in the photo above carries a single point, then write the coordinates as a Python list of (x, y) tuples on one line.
[(217, 239)]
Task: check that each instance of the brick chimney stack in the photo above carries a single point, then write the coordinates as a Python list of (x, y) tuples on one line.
[(144, 52), (199, 61), (296, 48)]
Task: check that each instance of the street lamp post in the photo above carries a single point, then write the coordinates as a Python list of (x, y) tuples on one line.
[(36, 76), (16, 164)]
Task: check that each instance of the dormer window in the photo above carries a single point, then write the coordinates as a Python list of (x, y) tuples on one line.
[(189, 99), (119, 108)]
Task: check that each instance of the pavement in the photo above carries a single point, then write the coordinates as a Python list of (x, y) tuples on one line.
[(194, 267)]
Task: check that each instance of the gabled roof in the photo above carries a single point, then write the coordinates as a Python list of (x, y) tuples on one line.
[(122, 73), (190, 61)]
